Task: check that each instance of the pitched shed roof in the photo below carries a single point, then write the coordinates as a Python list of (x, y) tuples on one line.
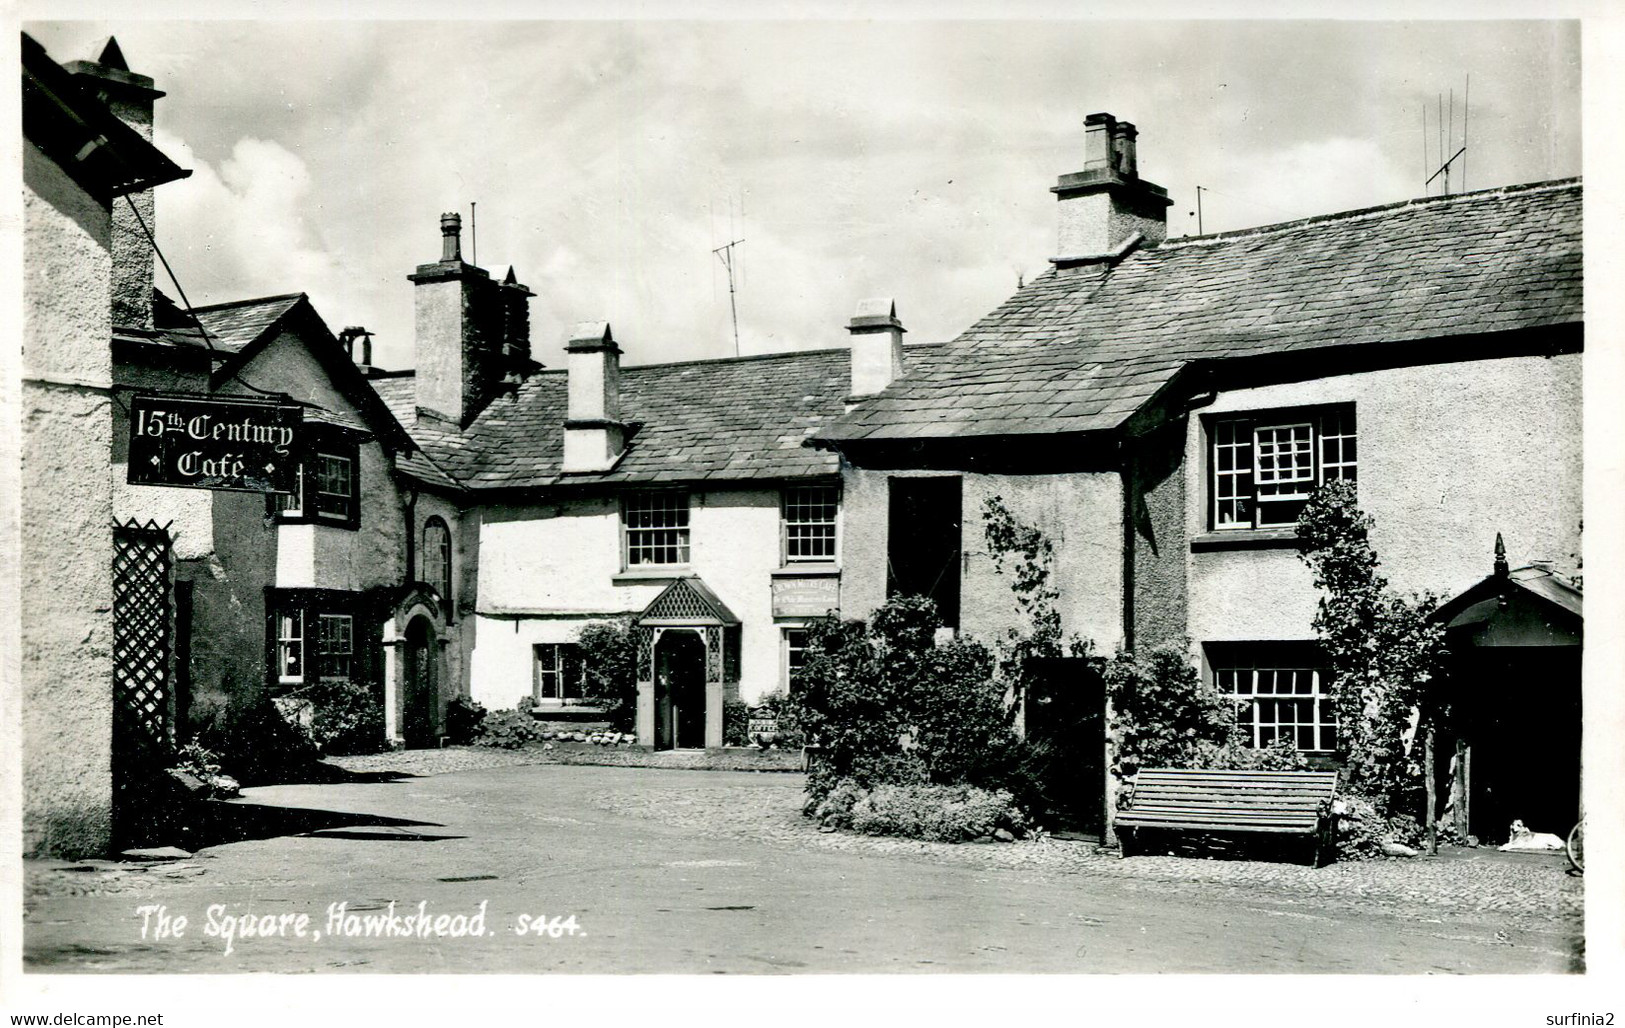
[(1080, 349), (733, 419), (232, 326)]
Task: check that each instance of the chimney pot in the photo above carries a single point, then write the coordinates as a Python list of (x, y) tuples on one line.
[(451, 233)]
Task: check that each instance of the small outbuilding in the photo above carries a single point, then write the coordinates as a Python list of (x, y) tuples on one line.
[(1515, 640)]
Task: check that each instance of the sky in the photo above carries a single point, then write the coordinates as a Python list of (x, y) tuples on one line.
[(908, 158)]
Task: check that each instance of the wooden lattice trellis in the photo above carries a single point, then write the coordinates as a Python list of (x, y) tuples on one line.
[(142, 570)]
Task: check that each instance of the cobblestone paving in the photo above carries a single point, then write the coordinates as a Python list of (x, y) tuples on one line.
[(1517, 885), (1480, 880), (473, 758)]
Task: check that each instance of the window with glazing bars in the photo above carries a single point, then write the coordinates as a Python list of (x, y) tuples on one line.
[(558, 673), (795, 656), (436, 556), (1264, 468), (290, 647), (807, 527), (335, 645), (1281, 703), (655, 528), (333, 480)]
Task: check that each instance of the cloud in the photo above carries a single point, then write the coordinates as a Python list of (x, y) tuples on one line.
[(1272, 185), (240, 230)]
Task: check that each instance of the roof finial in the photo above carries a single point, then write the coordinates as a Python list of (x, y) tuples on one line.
[(1500, 557)]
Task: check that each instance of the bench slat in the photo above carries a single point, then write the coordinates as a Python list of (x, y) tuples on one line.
[(1219, 827)]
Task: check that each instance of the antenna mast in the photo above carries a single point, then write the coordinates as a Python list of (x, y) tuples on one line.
[(1444, 165), (725, 254)]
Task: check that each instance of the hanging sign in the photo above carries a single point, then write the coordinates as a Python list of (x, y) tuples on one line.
[(236, 444)]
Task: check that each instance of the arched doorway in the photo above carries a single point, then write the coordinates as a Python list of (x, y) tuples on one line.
[(422, 684), (679, 690)]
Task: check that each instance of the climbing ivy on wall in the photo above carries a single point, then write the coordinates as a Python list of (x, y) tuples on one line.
[(1386, 653)]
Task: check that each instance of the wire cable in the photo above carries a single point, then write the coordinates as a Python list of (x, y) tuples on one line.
[(193, 314)]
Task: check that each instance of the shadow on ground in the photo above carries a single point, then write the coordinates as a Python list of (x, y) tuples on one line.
[(218, 822)]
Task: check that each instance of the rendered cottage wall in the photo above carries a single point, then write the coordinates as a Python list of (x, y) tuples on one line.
[(1081, 512), (66, 516), (1448, 457), (545, 571), (324, 556)]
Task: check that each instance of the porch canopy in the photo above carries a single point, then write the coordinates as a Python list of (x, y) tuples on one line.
[(1531, 606), (687, 603)]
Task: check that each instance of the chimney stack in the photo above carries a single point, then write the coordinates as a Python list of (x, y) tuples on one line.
[(594, 435), (130, 97), (877, 345), (1107, 204), (471, 334)]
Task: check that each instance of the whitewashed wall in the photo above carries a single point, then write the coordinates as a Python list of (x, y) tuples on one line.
[(548, 570)]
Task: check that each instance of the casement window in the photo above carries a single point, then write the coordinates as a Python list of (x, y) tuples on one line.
[(794, 645), (434, 557), (332, 485), (559, 680), (1265, 466), (290, 648), (335, 645), (654, 528), (316, 635), (329, 489), (1279, 695), (807, 524)]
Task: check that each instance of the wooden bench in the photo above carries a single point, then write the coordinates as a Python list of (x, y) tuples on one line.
[(1278, 803)]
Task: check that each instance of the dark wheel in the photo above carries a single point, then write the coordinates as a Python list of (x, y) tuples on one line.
[(1576, 847)]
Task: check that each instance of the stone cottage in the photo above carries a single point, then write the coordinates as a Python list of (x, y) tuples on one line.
[(1164, 407)]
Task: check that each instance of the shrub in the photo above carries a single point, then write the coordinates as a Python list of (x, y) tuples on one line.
[(1386, 652), (508, 729), (463, 718), (1233, 755), (1162, 711), (887, 705), (735, 723), (936, 813), (1362, 829), (345, 718), (204, 765), (255, 743), (609, 665), (835, 809)]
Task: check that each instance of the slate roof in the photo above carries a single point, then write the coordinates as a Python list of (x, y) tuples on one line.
[(1080, 349), (232, 326), (1551, 586), (715, 420)]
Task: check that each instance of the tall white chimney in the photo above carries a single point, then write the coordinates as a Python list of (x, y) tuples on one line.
[(594, 435), (877, 345)]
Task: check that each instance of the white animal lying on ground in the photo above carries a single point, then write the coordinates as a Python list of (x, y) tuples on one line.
[(1524, 839)]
